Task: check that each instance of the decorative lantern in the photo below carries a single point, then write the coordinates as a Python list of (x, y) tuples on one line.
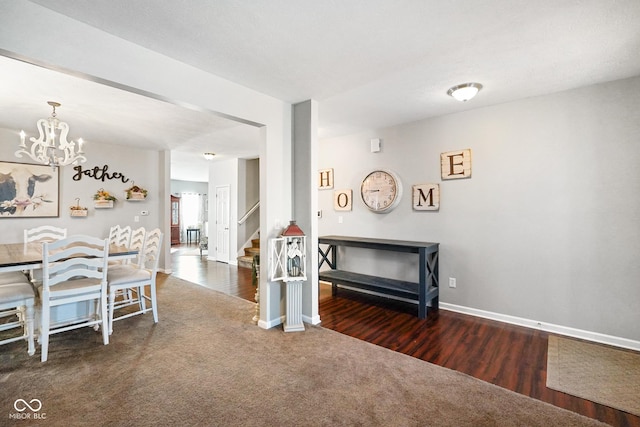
[(288, 263), (288, 255)]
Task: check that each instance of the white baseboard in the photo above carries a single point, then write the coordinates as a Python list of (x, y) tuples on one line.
[(311, 320), (271, 323), (547, 327)]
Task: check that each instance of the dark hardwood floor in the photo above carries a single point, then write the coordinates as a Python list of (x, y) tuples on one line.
[(509, 356)]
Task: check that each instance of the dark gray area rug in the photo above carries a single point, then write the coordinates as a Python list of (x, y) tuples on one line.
[(206, 364)]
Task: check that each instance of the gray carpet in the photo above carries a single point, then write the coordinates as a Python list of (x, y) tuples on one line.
[(206, 364)]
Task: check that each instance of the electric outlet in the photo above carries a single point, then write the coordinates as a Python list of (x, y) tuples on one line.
[(452, 282), (136, 218), (340, 219)]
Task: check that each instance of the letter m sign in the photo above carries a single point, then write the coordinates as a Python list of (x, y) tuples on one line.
[(426, 197)]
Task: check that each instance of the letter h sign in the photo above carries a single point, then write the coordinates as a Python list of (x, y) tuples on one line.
[(325, 179)]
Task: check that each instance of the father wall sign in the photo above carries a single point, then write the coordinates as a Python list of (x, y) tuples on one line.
[(98, 173)]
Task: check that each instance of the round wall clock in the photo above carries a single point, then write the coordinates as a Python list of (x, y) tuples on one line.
[(381, 191)]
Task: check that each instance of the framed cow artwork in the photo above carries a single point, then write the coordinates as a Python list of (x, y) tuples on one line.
[(29, 191)]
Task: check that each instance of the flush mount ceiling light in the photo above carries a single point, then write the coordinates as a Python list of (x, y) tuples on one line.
[(465, 91), (45, 149), (209, 156)]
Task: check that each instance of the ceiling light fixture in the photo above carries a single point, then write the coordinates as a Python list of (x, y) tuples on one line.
[(465, 91), (44, 149), (209, 156)]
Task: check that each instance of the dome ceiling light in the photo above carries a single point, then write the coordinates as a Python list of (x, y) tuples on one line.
[(465, 91)]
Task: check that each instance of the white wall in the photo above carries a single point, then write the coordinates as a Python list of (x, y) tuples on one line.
[(136, 165), (547, 227)]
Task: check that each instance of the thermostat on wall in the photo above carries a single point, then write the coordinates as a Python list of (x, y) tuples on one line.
[(375, 145)]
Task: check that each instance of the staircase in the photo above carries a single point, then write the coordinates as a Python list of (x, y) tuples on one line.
[(247, 259)]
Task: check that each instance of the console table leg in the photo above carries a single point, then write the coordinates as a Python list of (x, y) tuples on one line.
[(422, 284)]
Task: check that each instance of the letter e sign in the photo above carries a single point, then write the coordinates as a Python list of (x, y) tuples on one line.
[(342, 200), (456, 164)]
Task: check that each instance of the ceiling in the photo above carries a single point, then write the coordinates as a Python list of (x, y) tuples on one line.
[(369, 63)]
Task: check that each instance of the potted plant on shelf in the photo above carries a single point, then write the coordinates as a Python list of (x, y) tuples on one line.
[(77, 210), (135, 193), (103, 199)]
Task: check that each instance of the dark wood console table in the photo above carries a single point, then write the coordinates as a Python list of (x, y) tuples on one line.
[(424, 291)]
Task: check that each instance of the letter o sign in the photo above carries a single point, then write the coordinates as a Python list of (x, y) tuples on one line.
[(342, 200)]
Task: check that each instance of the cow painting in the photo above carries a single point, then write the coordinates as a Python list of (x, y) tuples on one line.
[(28, 190)]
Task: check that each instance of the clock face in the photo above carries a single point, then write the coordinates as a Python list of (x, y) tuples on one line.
[(381, 191)]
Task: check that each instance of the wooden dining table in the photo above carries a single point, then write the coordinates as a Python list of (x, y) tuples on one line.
[(28, 256)]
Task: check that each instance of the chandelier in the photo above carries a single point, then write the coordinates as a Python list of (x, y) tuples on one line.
[(51, 147)]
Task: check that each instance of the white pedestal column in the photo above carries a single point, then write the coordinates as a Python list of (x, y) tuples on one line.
[(293, 322)]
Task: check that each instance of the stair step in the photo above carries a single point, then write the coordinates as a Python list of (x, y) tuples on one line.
[(250, 252), (245, 261)]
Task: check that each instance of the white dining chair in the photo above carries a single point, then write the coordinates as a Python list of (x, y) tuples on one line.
[(136, 278), (74, 270), (44, 233), (136, 243), (17, 304)]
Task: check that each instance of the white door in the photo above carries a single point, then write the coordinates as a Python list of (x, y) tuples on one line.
[(222, 224)]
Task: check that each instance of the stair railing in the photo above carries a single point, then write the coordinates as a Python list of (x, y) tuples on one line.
[(249, 212)]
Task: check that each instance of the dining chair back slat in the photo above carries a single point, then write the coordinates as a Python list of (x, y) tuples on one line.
[(114, 234), (44, 233), (124, 237)]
